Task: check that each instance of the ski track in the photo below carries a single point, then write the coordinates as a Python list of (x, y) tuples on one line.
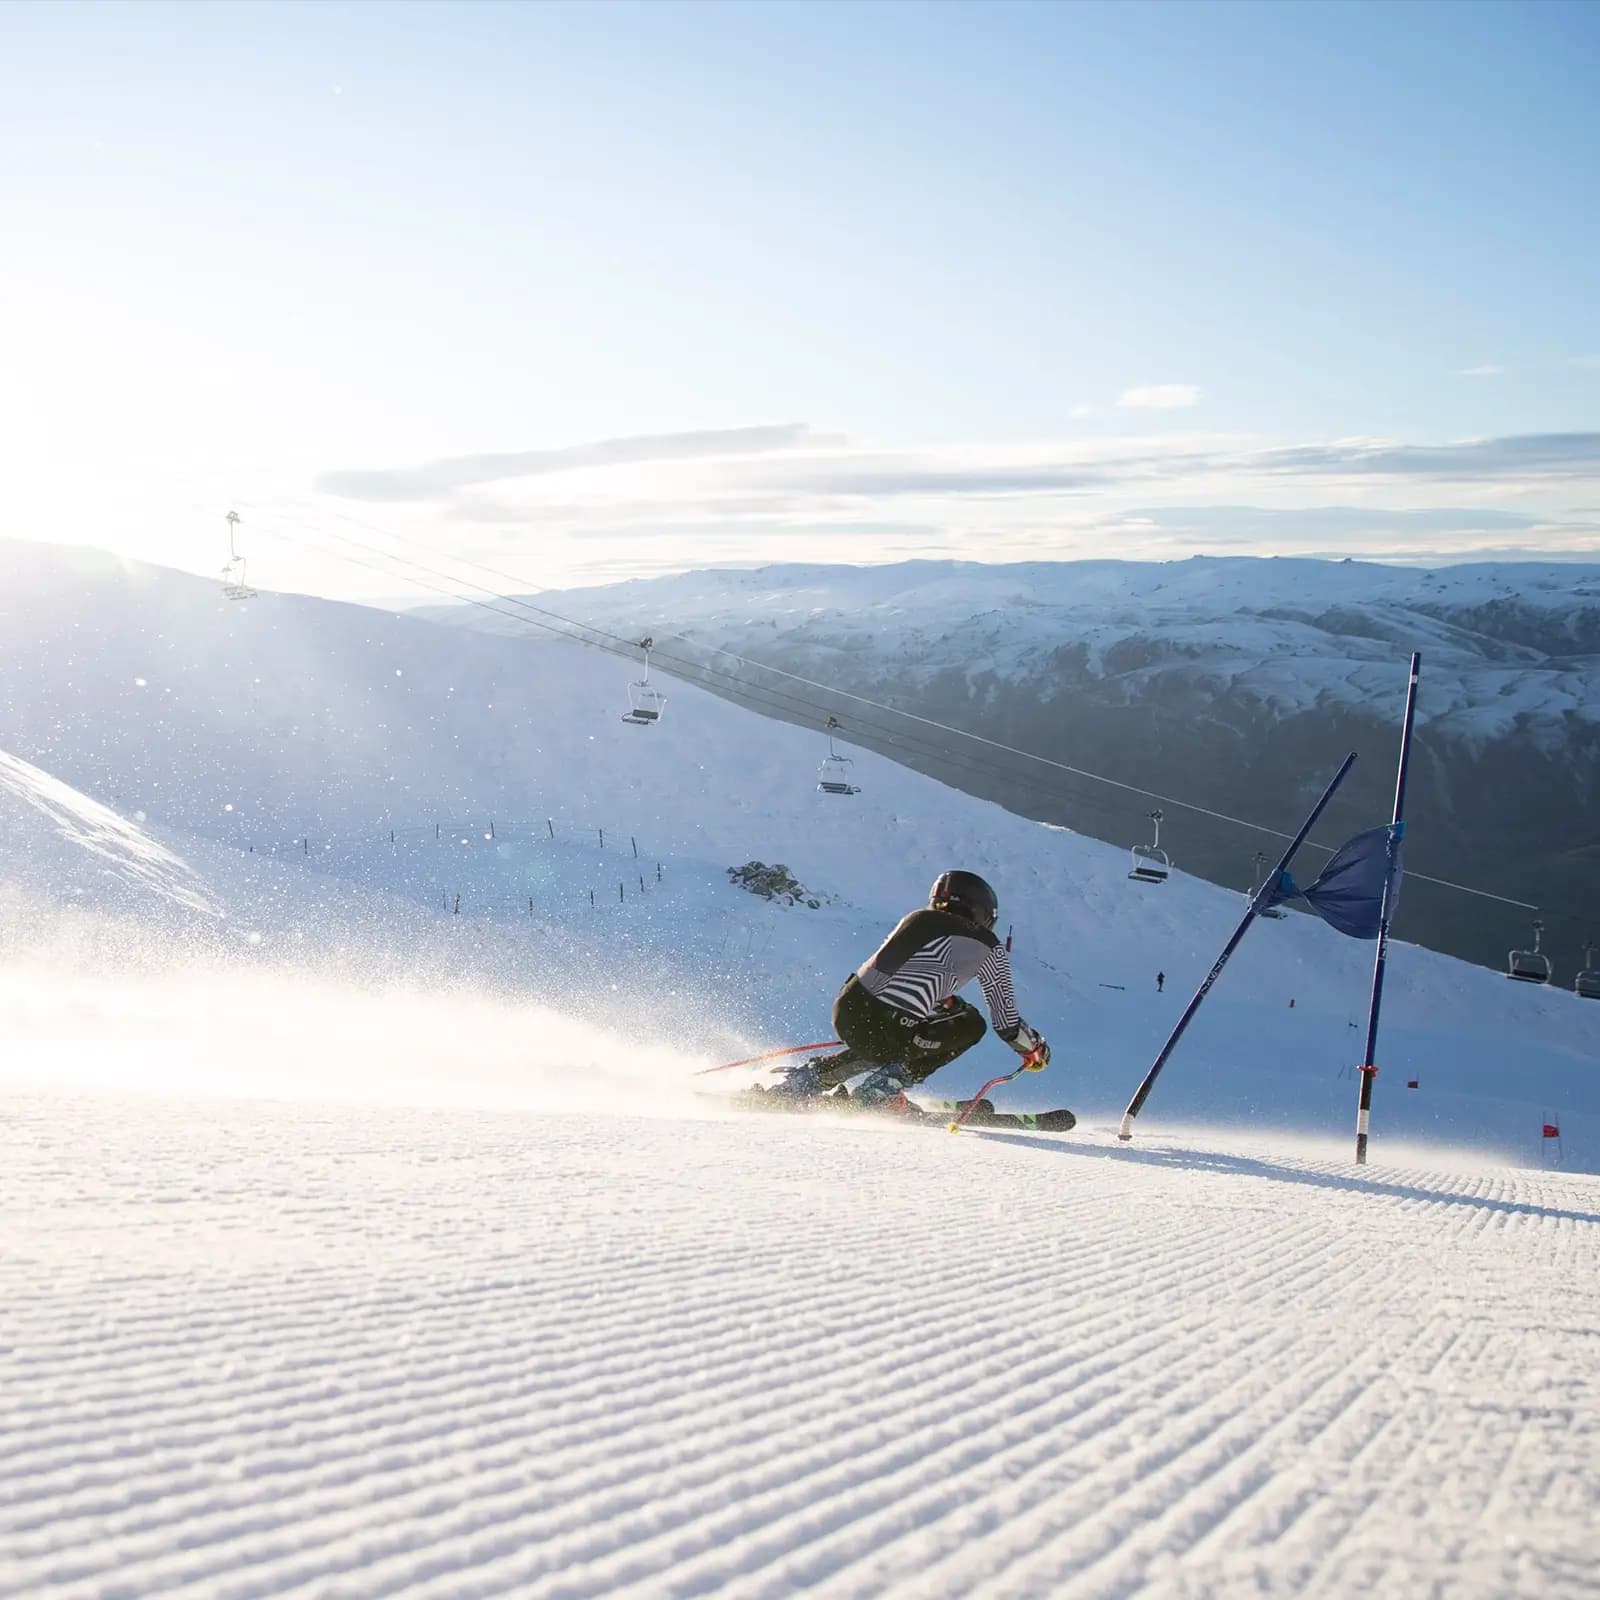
[(266, 1349)]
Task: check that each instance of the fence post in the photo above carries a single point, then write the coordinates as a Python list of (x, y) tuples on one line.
[(305, 846), (635, 843), (620, 887), (658, 872), (641, 883), (591, 897), (458, 905), (530, 905), (551, 826), (491, 827), (602, 838), (436, 831)]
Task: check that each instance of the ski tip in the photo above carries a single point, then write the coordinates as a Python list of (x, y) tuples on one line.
[(1055, 1122)]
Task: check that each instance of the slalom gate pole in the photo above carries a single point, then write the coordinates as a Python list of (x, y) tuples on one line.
[(1262, 895), (1368, 1069), (1028, 1065), (788, 1050)]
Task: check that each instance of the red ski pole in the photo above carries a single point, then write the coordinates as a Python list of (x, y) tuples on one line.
[(788, 1050), (1032, 1062)]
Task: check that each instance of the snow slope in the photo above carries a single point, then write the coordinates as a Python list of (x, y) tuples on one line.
[(282, 1349), (64, 845), (318, 763)]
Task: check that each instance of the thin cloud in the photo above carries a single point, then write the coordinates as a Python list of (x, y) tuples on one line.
[(741, 529), (1257, 522), (1052, 498), (436, 479), (868, 477), (1161, 396), (1487, 370), (1080, 470), (1526, 455)]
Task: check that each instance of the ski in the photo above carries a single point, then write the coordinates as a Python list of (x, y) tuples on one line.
[(983, 1115)]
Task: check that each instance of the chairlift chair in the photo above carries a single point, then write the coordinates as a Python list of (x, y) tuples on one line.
[(235, 586), (1530, 966), (1277, 913), (1587, 982), (1150, 862), (645, 702), (833, 776)]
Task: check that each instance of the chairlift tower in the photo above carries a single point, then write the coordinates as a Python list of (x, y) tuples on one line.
[(234, 583)]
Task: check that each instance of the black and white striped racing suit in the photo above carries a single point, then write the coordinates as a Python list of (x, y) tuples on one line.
[(900, 1006), (929, 956)]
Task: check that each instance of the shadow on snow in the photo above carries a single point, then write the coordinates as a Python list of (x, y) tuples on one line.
[(1254, 1167)]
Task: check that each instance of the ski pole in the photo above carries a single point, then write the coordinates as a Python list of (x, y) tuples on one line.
[(788, 1050), (1030, 1063)]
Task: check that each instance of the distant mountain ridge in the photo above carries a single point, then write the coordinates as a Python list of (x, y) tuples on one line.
[(1234, 683)]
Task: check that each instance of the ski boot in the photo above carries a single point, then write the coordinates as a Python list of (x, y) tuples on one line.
[(885, 1090), (797, 1086), (834, 1069)]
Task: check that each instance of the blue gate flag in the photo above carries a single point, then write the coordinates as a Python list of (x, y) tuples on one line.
[(1348, 894)]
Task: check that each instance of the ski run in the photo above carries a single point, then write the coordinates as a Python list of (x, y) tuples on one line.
[(363, 1231), (255, 1347)]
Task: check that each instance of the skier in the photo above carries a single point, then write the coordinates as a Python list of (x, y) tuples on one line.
[(898, 1013), (1161, 982)]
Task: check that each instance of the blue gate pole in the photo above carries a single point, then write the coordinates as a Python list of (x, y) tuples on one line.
[(1262, 897), (1368, 1069)]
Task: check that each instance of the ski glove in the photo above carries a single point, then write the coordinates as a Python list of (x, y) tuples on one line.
[(1029, 1043)]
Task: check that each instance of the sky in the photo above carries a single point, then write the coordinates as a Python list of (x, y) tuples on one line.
[(589, 292)]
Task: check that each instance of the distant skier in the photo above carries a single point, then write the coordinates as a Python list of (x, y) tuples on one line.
[(1161, 981), (898, 1013)]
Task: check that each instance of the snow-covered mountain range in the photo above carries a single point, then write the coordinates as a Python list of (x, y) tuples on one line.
[(1223, 682)]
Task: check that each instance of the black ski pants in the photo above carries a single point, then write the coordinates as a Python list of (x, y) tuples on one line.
[(877, 1035)]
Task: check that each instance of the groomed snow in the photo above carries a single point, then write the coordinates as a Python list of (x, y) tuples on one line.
[(254, 1348)]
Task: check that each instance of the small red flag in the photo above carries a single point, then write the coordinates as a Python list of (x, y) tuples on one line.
[(1411, 1083), (1551, 1131)]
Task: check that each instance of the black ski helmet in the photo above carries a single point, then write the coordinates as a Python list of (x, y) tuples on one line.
[(967, 895)]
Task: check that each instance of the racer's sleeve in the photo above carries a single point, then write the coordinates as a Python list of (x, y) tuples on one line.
[(995, 977)]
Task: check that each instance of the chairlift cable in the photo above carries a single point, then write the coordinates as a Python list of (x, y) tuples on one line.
[(690, 671), (617, 644)]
